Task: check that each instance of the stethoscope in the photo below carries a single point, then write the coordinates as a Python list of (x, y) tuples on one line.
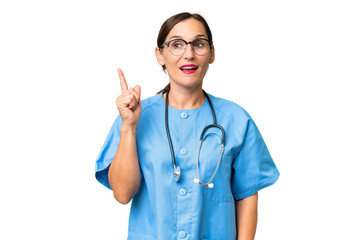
[(177, 170)]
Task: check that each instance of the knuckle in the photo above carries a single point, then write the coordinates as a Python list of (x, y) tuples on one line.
[(117, 101), (131, 97), (131, 90)]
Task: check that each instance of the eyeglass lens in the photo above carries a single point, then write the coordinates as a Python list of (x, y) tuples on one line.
[(178, 46)]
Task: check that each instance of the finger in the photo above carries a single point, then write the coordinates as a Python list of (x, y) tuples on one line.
[(123, 82), (130, 97), (131, 94), (133, 102)]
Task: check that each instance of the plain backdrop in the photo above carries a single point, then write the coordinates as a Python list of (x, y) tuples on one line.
[(293, 65)]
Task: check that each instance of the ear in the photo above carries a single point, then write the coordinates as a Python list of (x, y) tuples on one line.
[(212, 57), (159, 56)]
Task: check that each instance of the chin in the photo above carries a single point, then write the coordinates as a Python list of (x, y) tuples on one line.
[(187, 80), (189, 84)]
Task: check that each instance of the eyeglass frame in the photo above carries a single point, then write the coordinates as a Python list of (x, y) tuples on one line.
[(186, 43)]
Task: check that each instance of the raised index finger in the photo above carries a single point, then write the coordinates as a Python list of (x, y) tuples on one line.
[(123, 83)]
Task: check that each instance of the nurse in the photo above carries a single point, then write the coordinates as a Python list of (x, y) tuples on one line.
[(181, 189)]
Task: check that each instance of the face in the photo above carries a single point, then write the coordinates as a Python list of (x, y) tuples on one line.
[(188, 30)]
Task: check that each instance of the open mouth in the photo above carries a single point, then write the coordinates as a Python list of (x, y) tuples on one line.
[(188, 69)]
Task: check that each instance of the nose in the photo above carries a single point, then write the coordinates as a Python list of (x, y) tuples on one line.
[(189, 52)]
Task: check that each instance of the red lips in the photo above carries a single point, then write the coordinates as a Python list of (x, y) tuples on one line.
[(188, 68)]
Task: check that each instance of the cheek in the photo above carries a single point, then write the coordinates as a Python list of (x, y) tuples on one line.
[(205, 63), (171, 62)]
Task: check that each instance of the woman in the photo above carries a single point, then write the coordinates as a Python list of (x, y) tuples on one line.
[(180, 188)]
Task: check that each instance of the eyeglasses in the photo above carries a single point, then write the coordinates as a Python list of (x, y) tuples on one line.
[(177, 47)]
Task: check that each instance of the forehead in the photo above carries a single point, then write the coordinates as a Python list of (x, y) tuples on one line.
[(187, 29)]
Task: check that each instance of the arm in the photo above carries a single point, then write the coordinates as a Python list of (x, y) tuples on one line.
[(246, 217), (124, 172)]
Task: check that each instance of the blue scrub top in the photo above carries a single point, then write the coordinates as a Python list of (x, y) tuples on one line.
[(164, 209)]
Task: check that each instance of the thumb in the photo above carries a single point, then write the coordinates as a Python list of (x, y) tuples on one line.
[(138, 90)]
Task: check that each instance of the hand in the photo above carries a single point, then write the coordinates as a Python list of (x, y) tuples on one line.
[(128, 103)]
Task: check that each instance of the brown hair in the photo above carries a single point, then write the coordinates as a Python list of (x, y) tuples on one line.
[(170, 23)]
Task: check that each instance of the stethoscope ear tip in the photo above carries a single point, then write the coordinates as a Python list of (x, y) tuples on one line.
[(210, 185)]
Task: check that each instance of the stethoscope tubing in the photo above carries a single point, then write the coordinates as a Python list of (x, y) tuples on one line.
[(177, 170)]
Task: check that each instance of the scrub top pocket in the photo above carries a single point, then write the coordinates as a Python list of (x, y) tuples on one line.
[(221, 192), (209, 158)]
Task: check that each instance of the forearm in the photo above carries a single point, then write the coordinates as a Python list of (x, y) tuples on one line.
[(124, 171), (246, 217)]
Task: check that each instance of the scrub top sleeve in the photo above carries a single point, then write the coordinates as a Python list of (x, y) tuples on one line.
[(107, 153), (253, 168)]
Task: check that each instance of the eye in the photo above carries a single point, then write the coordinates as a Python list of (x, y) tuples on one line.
[(177, 44), (199, 43)]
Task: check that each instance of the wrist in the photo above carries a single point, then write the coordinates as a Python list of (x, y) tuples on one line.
[(126, 129)]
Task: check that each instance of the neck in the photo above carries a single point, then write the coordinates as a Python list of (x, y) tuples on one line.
[(181, 98)]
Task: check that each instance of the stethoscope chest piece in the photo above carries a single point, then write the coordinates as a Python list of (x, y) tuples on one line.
[(177, 172)]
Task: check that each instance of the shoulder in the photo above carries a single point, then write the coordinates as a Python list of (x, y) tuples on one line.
[(229, 109), (155, 101)]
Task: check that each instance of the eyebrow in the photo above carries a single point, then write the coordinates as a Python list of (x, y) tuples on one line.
[(197, 36)]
